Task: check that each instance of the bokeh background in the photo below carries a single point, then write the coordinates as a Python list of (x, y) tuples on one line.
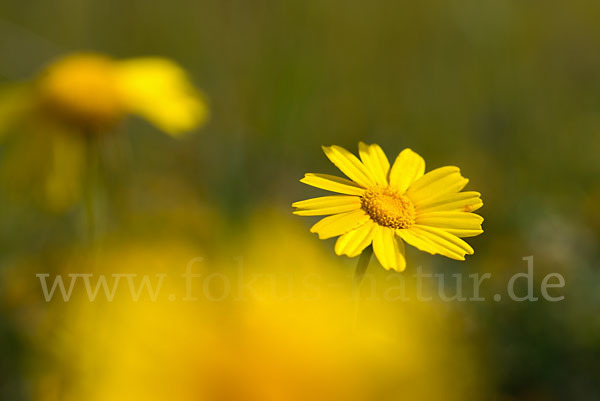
[(507, 90)]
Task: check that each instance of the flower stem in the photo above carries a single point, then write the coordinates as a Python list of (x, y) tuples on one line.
[(89, 187)]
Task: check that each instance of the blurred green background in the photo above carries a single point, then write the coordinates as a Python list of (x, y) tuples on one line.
[(507, 90)]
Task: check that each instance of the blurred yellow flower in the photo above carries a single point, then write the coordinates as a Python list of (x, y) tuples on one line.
[(94, 92), (271, 326), (385, 206), (58, 115)]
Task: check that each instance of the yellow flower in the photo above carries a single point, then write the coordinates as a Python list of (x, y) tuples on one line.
[(93, 92), (386, 206), (60, 115), (282, 330)]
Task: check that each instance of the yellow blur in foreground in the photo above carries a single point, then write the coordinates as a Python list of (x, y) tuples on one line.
[(94, 92), (291, 334)]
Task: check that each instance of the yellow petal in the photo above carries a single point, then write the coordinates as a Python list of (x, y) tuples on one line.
[(355, 241), (339, 224), (349, 165), (407, 168), (160, 91), (454, 202), (436, 183), (332, 183), (327, 205), (375, 161), (418, 241), (435, 241), (460, 224), (389, 251)]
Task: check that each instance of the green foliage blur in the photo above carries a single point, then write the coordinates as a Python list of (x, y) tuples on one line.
[(507, 90)]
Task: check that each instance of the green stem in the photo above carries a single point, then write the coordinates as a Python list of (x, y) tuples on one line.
[(89, 187)]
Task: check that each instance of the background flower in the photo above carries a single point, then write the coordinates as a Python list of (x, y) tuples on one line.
[(73, 103)]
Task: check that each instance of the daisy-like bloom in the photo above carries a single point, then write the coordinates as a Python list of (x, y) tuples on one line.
[(77, 100), (93, 92), (387, 206)]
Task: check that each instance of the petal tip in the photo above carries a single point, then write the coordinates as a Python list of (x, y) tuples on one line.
[(409, 151), (399, 269)]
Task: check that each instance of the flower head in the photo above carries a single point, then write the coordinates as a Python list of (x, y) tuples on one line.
[(387, 205), (60, 113), (81, 90), (93, 92)]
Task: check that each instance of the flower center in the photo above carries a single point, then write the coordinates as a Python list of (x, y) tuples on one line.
[(82, 89), (388, 208)]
